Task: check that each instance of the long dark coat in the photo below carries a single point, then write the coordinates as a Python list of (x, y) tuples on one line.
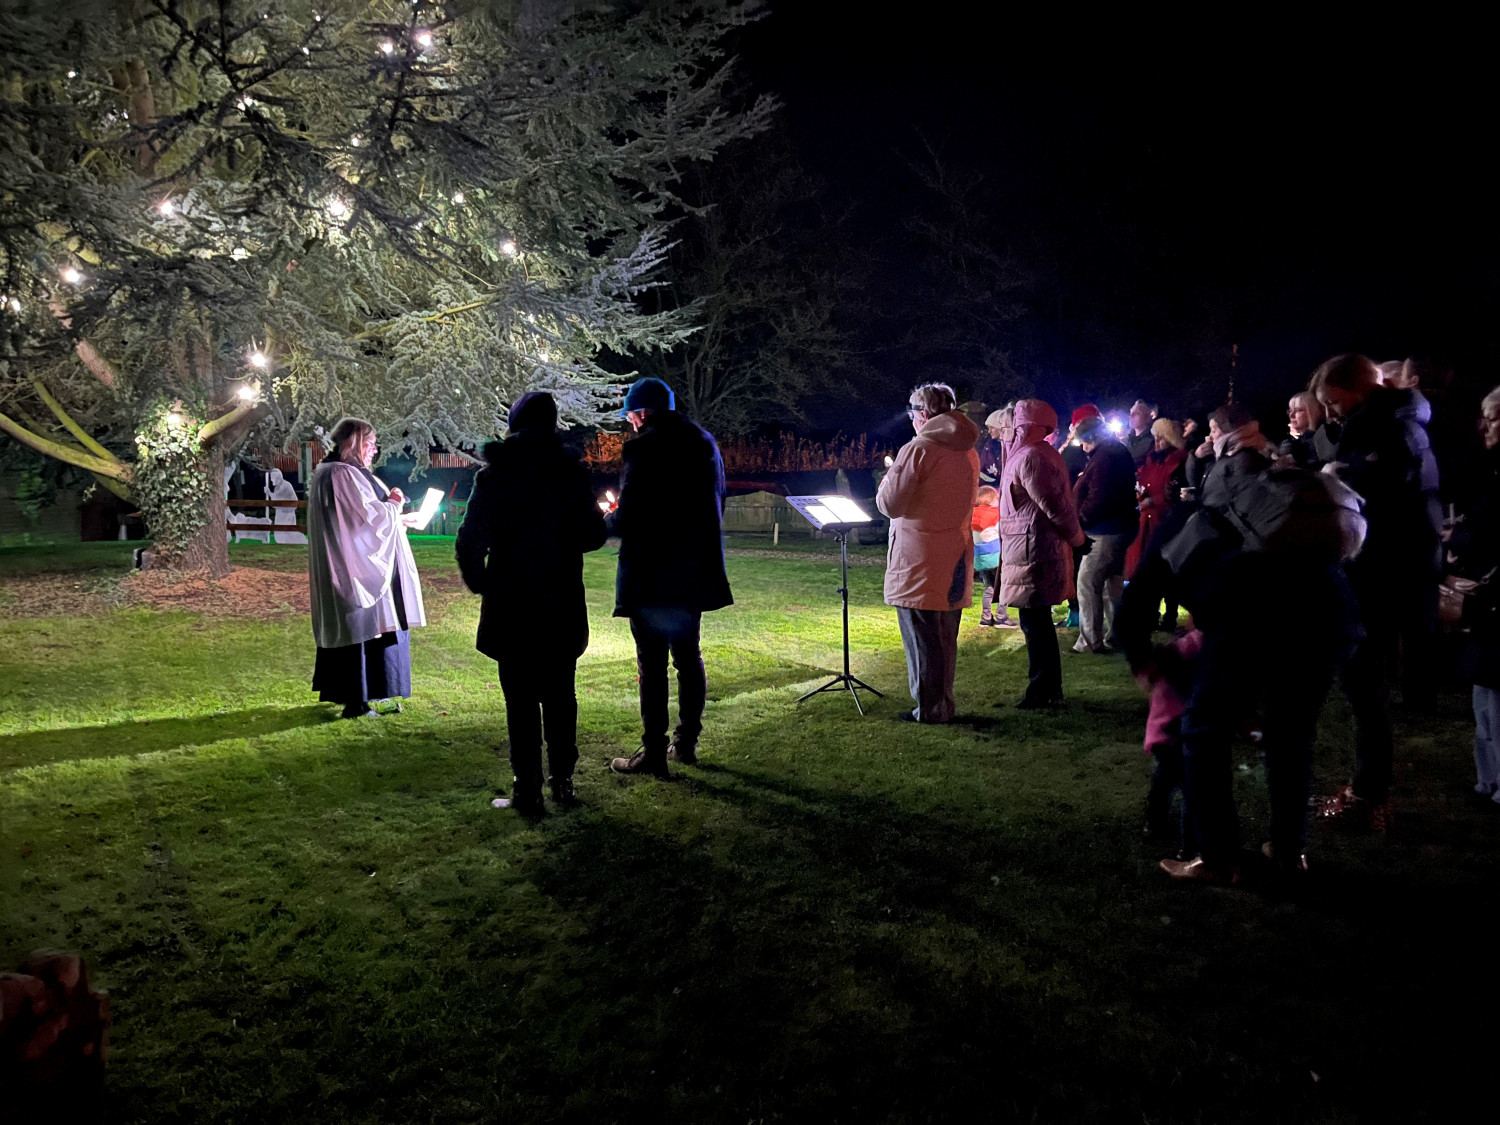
[(531, 517), (670, 519)]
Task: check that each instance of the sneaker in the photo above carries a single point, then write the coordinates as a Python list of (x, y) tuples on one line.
[(1346, 810), (1006, 623), (359, 711), (986, 623), (1196, 871), (527, 802), (683, 753), (639, 762)]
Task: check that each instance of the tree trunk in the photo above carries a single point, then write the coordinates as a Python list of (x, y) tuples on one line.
[(209, 549)]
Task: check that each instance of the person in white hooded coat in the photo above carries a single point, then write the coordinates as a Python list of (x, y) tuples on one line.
[(366, 596)]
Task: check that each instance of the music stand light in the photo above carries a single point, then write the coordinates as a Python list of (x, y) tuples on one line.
[(837, 515)]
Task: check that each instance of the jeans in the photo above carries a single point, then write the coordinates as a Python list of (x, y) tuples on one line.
[(1487, 742), (930, 638), (1363, 680), (1101, 581), (1043, 661), (659, 631), (539, 691), (988, 609)]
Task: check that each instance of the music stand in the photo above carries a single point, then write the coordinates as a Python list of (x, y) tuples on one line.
[(837, 515)]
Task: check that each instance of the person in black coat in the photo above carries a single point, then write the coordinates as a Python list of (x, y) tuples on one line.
[(669, 520), (531, 517), (1383, 454), (1105, 494)]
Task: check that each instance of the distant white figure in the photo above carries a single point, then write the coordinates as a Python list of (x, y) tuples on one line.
[(250, 536), (229, 471), (279, 488)]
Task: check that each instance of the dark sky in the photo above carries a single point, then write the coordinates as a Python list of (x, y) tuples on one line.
[(1179, 188)]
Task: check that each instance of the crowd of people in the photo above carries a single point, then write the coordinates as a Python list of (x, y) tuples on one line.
[(1125, 525)]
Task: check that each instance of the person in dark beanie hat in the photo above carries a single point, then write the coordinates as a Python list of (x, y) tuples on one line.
[(531, 517), (669, 520)]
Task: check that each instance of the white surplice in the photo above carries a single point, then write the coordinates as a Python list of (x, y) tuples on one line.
[(356, 543)]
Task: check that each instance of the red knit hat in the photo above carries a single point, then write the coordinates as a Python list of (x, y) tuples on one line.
[(1087, 410)]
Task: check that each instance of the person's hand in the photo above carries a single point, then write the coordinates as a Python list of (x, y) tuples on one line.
[(1333, 468), (395, 496), (1146, 502), (1204, 450), (411, 519), (609, 503)]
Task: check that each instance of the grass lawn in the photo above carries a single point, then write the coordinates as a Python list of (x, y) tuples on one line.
[(830, 919)]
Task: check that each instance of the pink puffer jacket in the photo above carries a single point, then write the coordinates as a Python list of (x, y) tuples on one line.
[(929, 496), (1038, 521)]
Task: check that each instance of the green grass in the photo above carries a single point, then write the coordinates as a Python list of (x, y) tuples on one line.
[(832, 918)]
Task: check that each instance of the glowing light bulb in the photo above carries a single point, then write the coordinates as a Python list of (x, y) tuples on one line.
[(245, 394), (15, 304), (458, 197), (306, 50), (423, 39), (174, 418), (356, 140), (544, 355), (509, 248), (72, 74), (259, 359), (167, 208), (337, 208), (387, 47), (72, 276)]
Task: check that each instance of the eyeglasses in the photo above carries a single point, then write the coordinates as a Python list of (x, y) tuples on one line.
[(913, 411)]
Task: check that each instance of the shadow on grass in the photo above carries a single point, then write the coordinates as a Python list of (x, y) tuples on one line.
[(43, 747)]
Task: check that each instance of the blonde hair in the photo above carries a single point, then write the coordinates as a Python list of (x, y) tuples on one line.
[(1169, 431), (986, 495), (934, 398), (1309, 402)]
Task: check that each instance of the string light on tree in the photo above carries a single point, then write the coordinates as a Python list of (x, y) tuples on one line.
[(458, 198), (509, 248), (246, 393), (387, 47), (260, 359), (423, 39), (72, 276), (166, 208), (337, 208)]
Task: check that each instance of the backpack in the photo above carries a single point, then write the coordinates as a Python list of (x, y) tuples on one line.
[(1283, 511)]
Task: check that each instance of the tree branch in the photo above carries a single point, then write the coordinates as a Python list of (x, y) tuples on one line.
[(98, 366), (240, 415), (115, 470), (69, 424)]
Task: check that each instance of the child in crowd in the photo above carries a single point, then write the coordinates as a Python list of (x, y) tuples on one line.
[(1168, 679), (986, 526)]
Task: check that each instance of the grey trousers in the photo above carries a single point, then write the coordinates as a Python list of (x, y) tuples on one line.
[(930, 638), (1101, 582)]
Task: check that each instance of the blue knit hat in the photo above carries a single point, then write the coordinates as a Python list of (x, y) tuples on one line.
[(648, 394)]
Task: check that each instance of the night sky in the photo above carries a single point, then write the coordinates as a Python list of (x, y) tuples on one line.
[(1172, 190)]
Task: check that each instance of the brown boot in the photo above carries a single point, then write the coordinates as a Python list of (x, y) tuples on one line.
[(641, 762)]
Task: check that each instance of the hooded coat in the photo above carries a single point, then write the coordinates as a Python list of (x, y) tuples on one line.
[(670, 519), (929, 496), (531, 517), (356, 544), (1038, 522)]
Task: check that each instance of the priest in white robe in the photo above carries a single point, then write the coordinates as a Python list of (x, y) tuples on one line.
[(366, 597)]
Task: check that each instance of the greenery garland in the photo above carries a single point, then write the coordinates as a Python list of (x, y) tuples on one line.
[(171, 476)]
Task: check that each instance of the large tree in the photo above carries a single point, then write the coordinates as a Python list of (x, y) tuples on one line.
[(225, 216)]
